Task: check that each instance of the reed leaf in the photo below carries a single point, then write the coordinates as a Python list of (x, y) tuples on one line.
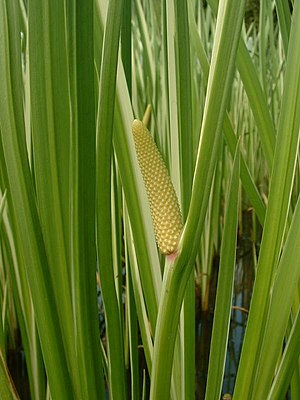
[(21, 192), (276, 216), (105, 115), (222, 310), (177, 274)]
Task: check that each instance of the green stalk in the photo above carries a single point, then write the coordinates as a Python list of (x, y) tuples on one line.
[(222, 311), (177, 274), (165, 88), (83, 178), (171, 94), (185, 102), (146, 333), (186, 167), (133, 335), (277, 211), (105, 117)]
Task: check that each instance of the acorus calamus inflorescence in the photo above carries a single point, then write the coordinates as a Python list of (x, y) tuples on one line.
[(164, 206)]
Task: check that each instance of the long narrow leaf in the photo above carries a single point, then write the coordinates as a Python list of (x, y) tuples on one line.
[(176, 276), (184, 94), (24, 206), (285, 286), (104, 225), (222, 310), (288, 363), (50, 127), (277, 211)]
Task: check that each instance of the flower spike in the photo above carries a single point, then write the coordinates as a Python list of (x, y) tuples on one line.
[(164, 206)]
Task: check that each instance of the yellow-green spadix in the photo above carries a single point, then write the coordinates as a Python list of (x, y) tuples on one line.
[(164, 206)]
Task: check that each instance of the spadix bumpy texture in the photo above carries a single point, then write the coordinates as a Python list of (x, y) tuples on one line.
[(164, 206)]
